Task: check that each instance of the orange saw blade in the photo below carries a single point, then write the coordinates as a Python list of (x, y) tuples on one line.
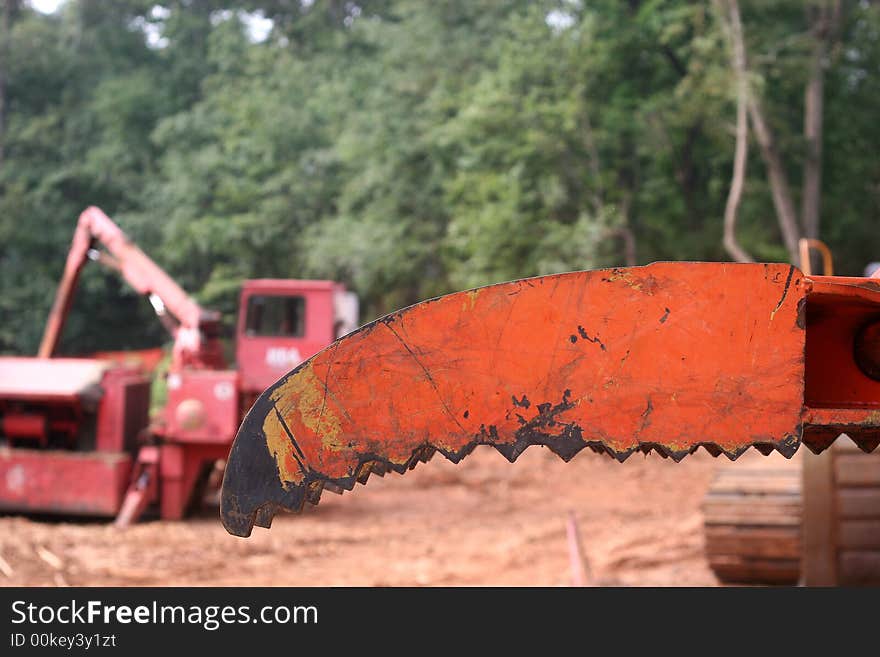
[(669, 357)]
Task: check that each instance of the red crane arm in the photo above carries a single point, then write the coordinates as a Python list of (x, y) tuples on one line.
[(144, 275)]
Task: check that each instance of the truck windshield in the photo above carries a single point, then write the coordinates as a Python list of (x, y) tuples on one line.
[(276, 316)]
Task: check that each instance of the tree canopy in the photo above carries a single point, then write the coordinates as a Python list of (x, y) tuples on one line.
[(407, 148)]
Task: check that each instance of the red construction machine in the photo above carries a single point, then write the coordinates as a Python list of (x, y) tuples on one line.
[(75, 433)]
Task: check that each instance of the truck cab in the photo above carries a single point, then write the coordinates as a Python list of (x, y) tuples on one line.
[(282, 322)]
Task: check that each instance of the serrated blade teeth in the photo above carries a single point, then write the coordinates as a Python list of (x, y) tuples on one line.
[(331, 487), (765, 449), (313, 491), (265, 515), (713, 450), (363, 473), (867, 443), (426, 454)]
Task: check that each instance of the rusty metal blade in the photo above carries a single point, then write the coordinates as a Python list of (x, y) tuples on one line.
[(670, 356)]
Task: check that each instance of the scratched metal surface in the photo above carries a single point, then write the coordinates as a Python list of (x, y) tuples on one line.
[(669, 357)]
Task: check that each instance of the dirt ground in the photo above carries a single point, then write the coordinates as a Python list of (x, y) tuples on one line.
[(482, 522)]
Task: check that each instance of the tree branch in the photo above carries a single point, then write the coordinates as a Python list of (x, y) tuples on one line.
[(783, 202), (779, 187), (737, 183), (824, 30)]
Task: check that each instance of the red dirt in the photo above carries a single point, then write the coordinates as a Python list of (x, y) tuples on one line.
[(482, 522)]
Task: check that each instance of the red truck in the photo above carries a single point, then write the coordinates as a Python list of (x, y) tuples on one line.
[(76, 437)]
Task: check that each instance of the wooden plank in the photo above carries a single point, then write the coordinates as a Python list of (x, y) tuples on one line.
[(770, 542), (748, 471), (859, 534), (738, 471), (752, 479), (769, 486), (749, 477), (748, 571), (857, 470), (722, 531), (752, 517), (858, 503), (754, 514), (753, 497), (859, 567), (781, 504), (818, 529)]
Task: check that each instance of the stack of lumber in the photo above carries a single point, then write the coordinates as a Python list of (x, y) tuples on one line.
[(752, 519), (753, 514), (857, 510)]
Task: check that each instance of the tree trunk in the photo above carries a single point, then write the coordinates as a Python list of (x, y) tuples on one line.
[(737, 182), (786, 214), (781, 190), (824, 29)]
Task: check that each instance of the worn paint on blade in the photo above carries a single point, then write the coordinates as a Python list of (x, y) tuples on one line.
[(300, 401), (305, 396), (470, 300), (290, 466), (636, 282)]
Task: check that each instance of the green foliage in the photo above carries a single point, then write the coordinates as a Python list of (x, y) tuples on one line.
[(405, 148)]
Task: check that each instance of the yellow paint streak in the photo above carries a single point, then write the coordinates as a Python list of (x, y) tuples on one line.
[(282, 451), (470, 300), (302, 398), (302, 403), (873, 419), (627, 278)]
